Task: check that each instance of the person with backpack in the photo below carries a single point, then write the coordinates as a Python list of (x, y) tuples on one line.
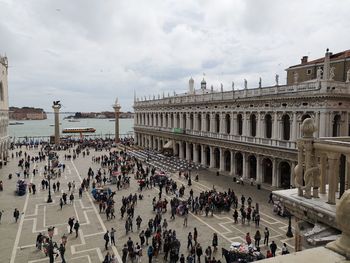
[(106, 238), (150, 254)]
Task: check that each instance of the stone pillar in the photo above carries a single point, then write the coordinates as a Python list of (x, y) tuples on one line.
[(317, 123), (347, 172), (245, 125), (222, 123), (346, 124), (275, 127), (292, 174), (195, 154), (165, 124), (56, 107), (181, 149), (188, 121), (195, 121), (333, 160), (258, 169), (204, 123), (188, 151), (212, 157), (204, 156), (258, 125), (323, 173), (274, 173), (244, 166), (212, 122), (232, 130), (232, 172), (294, 127), (222, 160)]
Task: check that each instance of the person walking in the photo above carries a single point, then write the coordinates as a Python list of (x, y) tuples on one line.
[(138, 222), (61, 203), (189, 240), (215, 241), (112, 236), (1, 212), (185, 217), (266, 236), (62, 250), (150, 254), (16, 214), (257, 238), (199, 252), (273, 248), (124, 253), (248, 239), (106, 238), (76, 228), (71, 224)]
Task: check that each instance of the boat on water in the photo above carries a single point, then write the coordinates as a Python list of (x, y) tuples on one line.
[(79, 130), (70, 120), (51, 125), (16, 123)]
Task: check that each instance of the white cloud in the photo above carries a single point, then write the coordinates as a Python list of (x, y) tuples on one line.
[(87, 52)]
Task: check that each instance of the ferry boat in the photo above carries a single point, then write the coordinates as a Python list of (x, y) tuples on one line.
[(70, 120), (16, 123), (79, 130)]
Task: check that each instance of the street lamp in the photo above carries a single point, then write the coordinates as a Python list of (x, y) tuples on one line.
[(289, 231)]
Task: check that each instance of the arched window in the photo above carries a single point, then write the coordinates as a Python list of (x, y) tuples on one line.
[(268, 126), (286, 127), (228, 123), (191, 121), (199, 118), (253, 125), (336, 125), (207, 121), (239, 124), (217, 123)]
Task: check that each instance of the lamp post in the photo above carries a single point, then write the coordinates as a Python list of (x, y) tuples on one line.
[(49, 157), (289, 231)]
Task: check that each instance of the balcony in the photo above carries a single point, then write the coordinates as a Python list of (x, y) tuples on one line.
[(228, 137)]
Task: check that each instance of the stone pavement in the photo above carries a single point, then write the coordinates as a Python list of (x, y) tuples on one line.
[(17, 242)]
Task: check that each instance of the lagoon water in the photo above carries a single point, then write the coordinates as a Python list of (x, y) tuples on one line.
[(35, 128)]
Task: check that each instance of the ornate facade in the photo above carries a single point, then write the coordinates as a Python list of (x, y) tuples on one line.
[(248, 132), (4, 110)]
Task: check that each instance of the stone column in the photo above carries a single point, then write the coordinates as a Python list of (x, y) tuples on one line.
[(212, 122), (333, 160), (204, 156), (244, 166), (222, 160), (204, 123), (245, 124), (232, 131), (56, 107), (188, 151), (346, 124), (274, 173), (195, 154), (292, 174), (195, 121), (323, 173), (232, 172), (222, 123), (294, 126), (212, 157), (165, 124), (347, 185), (181, 149), (258, 170), (317, 123), (188, 121), (275, 127), (258, 125)]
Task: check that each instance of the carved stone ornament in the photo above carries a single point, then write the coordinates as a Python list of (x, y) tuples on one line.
[(308, 128)]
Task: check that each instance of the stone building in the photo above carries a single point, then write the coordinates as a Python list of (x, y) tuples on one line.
[(249, 133), (4, 110), (27, 113)]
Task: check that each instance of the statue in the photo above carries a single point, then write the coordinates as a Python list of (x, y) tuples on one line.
[(276, 79), (245, 84), (222, 87), (57, 103), (319, 73), (296, 76), (260, 82), (211, 88), (233, 85), (331, 73), (348, 76)]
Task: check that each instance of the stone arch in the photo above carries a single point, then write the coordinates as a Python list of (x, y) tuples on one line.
[(239, 124), (305, 116), (286, 127), (268, 126), (216, 158), (207, 122), (227, 123), (252, 125), (199, 121), (336, 125), (285, 174), (227, 160), (267, 168), (252, 167), (239, 164), (217, 123)]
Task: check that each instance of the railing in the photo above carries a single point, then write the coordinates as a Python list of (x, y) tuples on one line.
[(230, 137)]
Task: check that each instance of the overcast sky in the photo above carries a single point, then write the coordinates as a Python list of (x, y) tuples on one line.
[(88, 52)]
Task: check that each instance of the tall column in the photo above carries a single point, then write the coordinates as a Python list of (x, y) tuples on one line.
[(258, 170), (274, 172), (222, 123), (195, 153), (294, 126), (232, 172), (188, 121), (212, 157), (212, 122), (317, 123), (204, 123), (204, 156), (258, 125), (232, 130), (245, 124), (347, 172), (244, 166), (323, 166), (275, 127), (292, 175), (333, 160), (56, 108), (222, 160)]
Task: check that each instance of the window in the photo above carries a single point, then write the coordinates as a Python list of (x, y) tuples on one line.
[(308, 71)]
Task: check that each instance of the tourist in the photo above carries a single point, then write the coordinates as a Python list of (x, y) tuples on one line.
[(150, 254), (273, 248), (124, 253), (199, 252), (71, 224), (16, 214), (248, 239), (62, 250), (269, 254), (107, 258), (215, 241), (285, 249), (189, 240), (1, 212), (257, 238), (138, 222), (266, 236), (76, 228), (106, 238), (61, 203), (112, 233)]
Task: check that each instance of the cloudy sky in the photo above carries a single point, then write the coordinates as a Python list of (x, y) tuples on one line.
[(88, 52)]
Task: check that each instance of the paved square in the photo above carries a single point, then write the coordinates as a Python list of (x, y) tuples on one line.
[(18, 239)]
